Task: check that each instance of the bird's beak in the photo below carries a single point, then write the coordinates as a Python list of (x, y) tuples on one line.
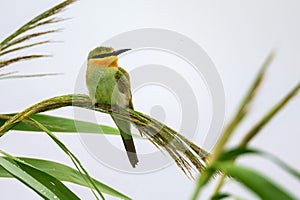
[(118, 52), (115, 53)]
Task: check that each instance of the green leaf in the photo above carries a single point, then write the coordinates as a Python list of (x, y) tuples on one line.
[(254, 181), (226, 196), (64, 173), (59, 124), (243, 109), (42, 183), (73, 158), (220, 196), (233, 124), (236, 152), (269, 115)]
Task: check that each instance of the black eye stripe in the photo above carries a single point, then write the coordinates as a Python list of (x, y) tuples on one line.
[(115, 53), (103, 55)]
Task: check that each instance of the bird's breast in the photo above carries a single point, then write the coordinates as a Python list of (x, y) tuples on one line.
[(102, 85)]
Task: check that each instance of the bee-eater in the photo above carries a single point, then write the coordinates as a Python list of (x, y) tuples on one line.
[(109, 84)]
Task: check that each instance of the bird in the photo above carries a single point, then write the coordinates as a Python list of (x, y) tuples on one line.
[(109, 84)]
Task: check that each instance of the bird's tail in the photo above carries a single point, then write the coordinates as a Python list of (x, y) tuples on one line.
[(125, 131)]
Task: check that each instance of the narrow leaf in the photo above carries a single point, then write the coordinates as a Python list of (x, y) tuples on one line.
[(42, 183), (64, 173), (239, 116), (236, 152), (258, 126), (243, 108), (220, 196), (60, 124), (73, 158), (254, 181)]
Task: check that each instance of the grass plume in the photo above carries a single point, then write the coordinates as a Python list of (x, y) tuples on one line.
[(18, 40), (187, 155)]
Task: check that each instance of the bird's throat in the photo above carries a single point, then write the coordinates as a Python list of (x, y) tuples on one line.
[(105, 62)]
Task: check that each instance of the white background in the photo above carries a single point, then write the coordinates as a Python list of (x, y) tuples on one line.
[(236, 35)]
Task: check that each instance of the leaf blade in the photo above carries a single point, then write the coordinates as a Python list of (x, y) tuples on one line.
[(254, 181), (42, 183), (236, 152), (73, 158), (64, 173), (60, 124), (269, 115)]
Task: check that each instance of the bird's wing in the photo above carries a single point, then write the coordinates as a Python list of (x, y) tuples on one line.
[(123, 81), (123, 84)]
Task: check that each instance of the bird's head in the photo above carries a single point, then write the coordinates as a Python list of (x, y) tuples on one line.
[(105, 56)]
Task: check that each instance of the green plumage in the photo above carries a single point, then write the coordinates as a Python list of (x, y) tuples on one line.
[(110, 85)]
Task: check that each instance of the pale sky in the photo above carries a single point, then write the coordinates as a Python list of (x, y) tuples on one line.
[(236, 35)]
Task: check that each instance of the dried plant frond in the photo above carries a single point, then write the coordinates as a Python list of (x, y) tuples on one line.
[(24, 47), (4, 63), (49, 21), (29, 76), (186, 155), (37, 21), (7, 74), (20, 36), (26, 37)]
